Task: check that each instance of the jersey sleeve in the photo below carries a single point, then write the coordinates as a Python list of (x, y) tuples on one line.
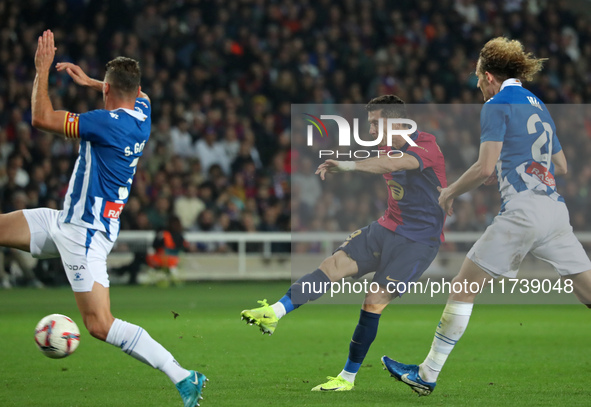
[(143, 105), (93, 126), (428, 154), (493, 121)]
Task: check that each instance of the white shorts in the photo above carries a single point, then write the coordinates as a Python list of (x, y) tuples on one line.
[(83, 251), (530, 223)]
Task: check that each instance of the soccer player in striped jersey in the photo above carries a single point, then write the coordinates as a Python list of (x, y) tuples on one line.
[(518, 139), (399, 246), (83, 233)]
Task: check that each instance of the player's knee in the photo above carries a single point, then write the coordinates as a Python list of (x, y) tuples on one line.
[(338, 266), (376, 302), (373, 308), (329, 267)]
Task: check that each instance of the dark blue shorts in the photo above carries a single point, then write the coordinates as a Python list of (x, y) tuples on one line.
[(393, 257)]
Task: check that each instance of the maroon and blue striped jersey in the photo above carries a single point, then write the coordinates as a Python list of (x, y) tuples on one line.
[(413, 200)]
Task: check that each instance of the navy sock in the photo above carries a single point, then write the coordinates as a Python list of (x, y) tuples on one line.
[(363, 337), (308, 288)]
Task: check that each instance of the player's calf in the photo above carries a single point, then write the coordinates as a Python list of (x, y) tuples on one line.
[(95, 309), (98, 327)]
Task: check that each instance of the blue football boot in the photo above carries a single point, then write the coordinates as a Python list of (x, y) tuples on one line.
[(408, 374)]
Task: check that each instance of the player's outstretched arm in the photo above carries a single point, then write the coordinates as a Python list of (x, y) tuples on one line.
[(475, 176), (43, 115), (385, 164), (374, 165), (79, 76)]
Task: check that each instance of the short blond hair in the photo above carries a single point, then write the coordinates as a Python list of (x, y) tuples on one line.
[(505, 58)]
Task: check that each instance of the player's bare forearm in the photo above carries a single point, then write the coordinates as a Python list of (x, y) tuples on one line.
[(95, 84), (386, 164), (375, 165), (92, 84), (41, 105), (43, 117), (472, 178), (79, 76), (478, 173)]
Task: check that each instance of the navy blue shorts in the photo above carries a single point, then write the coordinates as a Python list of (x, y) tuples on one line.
[(393, 257)]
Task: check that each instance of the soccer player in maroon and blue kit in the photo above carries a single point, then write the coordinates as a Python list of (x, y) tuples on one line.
[(398, 247)]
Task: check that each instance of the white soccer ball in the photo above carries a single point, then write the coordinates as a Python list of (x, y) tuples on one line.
[(57, 336)]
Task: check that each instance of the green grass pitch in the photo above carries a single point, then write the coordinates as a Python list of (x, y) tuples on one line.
[(527, 355)]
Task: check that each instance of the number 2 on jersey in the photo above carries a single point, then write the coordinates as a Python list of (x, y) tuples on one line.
[(545, 137), (124, 191)]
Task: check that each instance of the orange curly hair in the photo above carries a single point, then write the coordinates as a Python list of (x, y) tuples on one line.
[(505, 58)]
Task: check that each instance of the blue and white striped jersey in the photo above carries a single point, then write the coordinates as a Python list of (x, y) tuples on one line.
[(111, 143), (522, 122)]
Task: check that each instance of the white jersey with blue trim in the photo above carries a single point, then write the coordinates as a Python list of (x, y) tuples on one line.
[(516, 117), (111, 143)]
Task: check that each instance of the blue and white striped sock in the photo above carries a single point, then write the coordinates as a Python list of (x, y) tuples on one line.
[(137, 343), (450, 329)]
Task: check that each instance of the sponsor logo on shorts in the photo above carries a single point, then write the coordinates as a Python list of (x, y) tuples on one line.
[(78, 277), (75, 267)]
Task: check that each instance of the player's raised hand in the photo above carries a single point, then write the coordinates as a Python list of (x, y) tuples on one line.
[(45, 51), (445, 201), (75, 72), (332, 166), (324, 168)]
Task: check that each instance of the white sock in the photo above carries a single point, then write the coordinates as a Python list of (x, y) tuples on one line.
[(348, 376), (452, 325), (136, 342), (279, 310)]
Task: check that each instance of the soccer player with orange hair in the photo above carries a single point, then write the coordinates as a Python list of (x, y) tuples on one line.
[(519, 142)]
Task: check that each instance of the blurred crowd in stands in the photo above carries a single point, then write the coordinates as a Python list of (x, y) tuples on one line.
[(222, 76)]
